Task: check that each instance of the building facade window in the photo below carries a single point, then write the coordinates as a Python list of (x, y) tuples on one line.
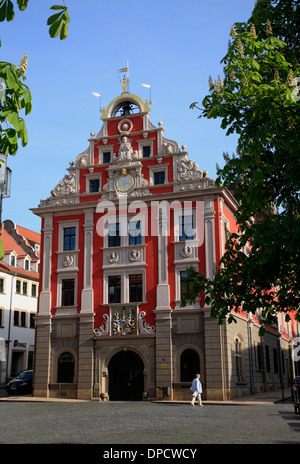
[(135, 236), (135, 288), (159, 177), (114, 289), (18, 287), (65, 368), (69, 238), (67, 292), (106, 157), (24, 288), (185, 284), (20, 318), (1, 285), (33, 290), (13, 261), (189, 365), (239, 360), (31, 321), (186, 228), (94, 185), (114, 238), (146, 151)]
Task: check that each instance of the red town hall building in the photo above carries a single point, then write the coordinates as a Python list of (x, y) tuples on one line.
[(118, 233)]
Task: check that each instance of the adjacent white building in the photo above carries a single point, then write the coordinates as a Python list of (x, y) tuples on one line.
[(19, 282)]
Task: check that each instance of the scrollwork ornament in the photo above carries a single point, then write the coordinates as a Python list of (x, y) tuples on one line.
[(104, 328), (144, 327)]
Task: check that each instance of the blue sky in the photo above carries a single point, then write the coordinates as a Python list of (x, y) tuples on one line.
[(170, 44)]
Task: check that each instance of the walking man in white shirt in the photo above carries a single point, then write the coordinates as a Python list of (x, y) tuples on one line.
[(197, 390)]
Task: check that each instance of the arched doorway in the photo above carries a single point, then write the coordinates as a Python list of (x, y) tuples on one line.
[(126, 377)]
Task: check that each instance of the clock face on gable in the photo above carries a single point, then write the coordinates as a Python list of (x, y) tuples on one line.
[(125, 183)]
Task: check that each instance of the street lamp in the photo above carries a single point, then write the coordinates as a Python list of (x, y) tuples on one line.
[(5, 182)]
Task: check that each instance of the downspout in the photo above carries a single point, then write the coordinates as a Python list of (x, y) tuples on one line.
[(9, 324), (249, 325)]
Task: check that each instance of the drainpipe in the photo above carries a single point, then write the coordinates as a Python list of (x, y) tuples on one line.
[(250, 354), (9, 324)]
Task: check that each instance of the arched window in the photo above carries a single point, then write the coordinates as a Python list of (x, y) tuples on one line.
[(65, 368), (189, 365)]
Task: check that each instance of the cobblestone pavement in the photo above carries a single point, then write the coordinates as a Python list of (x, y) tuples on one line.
[(147, 423)]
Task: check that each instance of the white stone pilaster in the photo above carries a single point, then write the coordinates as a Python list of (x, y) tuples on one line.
[(87, 297), (45, 294)]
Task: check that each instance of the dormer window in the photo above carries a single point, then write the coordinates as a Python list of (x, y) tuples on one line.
[(13, 261), (26, 266)]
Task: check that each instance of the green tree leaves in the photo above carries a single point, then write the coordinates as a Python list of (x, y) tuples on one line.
[(58, 22), (17, 100), (256, 100), (6, 10)]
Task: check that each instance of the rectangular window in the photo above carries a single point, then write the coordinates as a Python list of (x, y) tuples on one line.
[(31, 320), (67, 292), (186, 225), (135, 288), (18, 286), (24, 288), (69, 238), (159, 177), (16, 318), (146, 152), (106, 157), (267, 358), (1, 317), (114, 289), (135, 236), (114, 238), (184, 283), (1, 285), (94, 185), (275, 360), (33, 290), (23, 319)]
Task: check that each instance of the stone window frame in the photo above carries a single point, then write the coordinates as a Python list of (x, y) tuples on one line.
[(145, 143), (105, 149), (60, 278), (124, 220), (67, 225), (159, 168), (93, 176), (124, 273)]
